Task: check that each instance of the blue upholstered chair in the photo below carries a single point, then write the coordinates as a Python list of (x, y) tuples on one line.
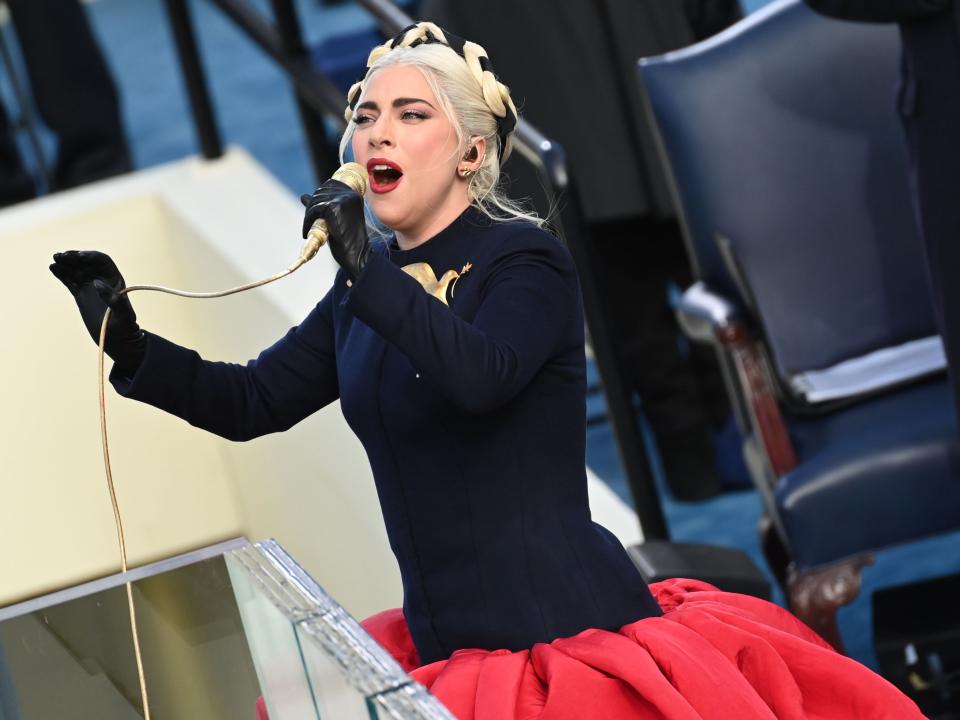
[(787, 162)]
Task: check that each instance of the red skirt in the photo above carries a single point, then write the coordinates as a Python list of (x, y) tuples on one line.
[(712, 655)]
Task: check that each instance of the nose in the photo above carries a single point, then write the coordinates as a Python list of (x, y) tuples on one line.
[(381, 133)]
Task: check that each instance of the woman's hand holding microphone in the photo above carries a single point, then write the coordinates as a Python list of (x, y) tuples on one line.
[(342, 209)]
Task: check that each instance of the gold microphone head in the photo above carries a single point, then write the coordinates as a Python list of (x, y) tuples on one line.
[(354, 175)]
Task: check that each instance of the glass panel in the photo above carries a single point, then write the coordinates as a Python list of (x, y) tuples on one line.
[(218, 628), (275, 648), (350, 675), (74, 659), (409, 701), (334, 696)]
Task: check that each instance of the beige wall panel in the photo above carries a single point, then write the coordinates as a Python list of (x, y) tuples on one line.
[(197, 226)]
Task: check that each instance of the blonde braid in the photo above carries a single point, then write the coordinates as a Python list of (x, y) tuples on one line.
[(353, 94), (422, 28), (496, 95)]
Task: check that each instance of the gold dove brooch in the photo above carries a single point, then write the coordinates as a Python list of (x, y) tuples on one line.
[(441, 289)]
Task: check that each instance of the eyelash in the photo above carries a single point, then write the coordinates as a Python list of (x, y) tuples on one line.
[(406, 115)]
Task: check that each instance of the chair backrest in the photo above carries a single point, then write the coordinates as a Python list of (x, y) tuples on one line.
[(781, 134)]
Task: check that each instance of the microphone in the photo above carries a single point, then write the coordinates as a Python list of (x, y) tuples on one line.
[(354, 176)]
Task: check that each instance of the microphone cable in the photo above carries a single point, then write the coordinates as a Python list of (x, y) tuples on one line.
[(352, 174)]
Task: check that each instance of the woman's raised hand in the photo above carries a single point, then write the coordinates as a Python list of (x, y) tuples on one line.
[(95, 283), (342, 209)]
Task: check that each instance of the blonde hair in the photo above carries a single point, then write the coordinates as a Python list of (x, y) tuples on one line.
[(471, 98)]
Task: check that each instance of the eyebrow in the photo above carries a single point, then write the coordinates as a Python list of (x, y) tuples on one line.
[(399, 102)]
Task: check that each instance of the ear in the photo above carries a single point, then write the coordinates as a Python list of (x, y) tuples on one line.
[(473, 158)]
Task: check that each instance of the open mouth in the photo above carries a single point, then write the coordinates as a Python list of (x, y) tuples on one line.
[(384, 175)]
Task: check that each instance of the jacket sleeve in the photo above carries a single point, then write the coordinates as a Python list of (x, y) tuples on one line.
[(529, 308), (287, 382), (879, 10)]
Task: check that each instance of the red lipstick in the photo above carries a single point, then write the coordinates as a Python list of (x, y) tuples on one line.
[(384, 175)]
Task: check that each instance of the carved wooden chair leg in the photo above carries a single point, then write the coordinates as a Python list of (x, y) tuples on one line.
[(816, 595)]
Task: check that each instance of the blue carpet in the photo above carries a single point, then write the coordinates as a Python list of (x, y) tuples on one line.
[(255, 109)]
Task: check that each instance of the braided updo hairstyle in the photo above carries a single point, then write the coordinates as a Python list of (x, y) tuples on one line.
[(471, 97)]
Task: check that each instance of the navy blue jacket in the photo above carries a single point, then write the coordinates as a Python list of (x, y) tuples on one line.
[(473, 417), (929, 106)]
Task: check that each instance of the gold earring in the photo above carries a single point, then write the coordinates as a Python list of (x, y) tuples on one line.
[(466, 172)]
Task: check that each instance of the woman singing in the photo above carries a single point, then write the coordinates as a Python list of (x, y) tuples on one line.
[(456, 347)]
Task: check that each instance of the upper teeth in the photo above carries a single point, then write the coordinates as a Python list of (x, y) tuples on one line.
[(382, 167)]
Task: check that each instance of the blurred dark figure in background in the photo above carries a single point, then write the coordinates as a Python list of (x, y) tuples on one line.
[(581, 90), (74, 94), (929, 105)]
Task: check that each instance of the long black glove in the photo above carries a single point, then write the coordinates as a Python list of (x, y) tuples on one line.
[(342, 209), (95, 283)]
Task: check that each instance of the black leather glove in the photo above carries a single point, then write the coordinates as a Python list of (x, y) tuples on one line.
[(342, 209), (95, 283)]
